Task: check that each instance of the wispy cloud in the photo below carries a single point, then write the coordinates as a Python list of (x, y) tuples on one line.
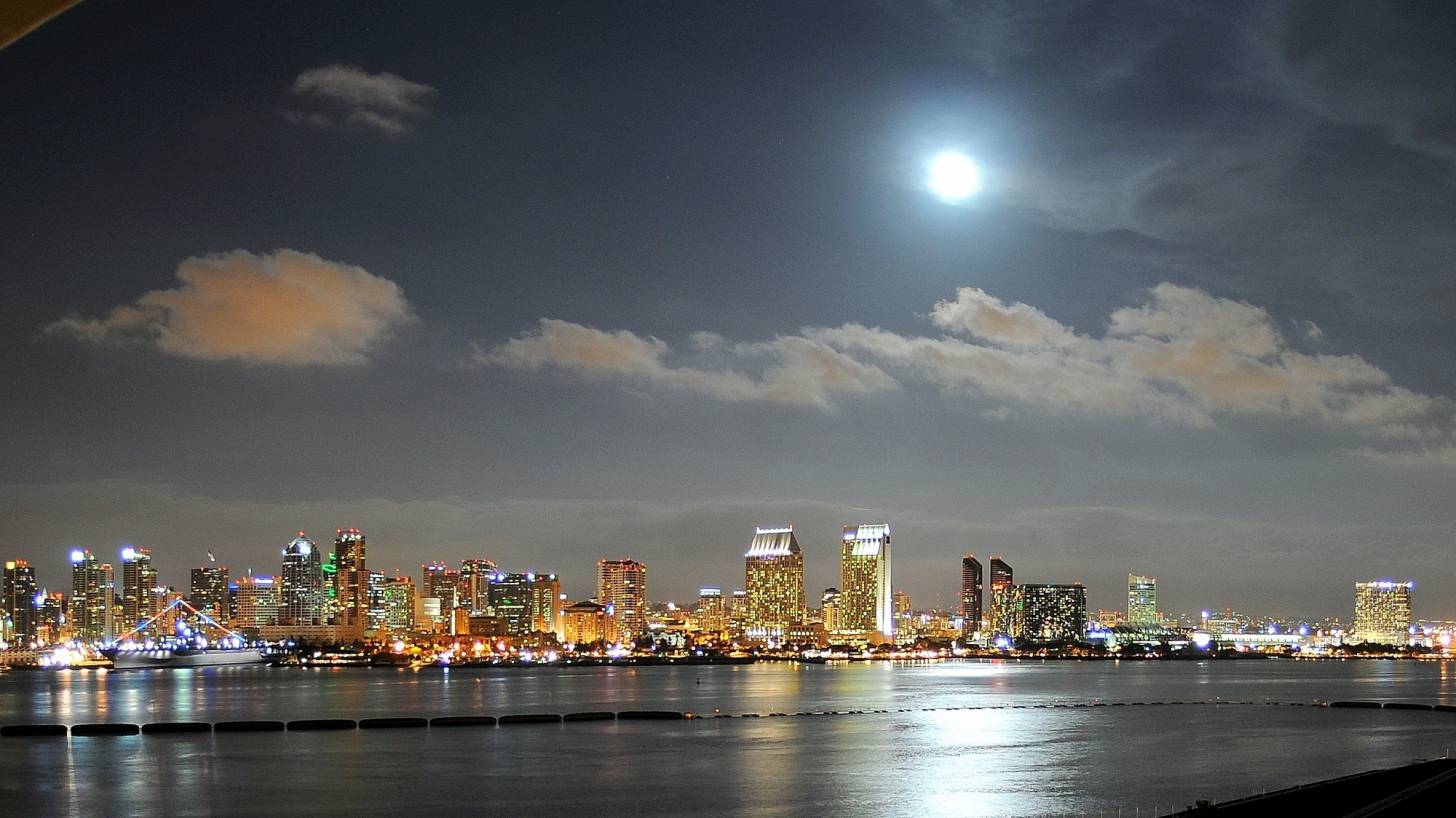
[(346, 95), (283, 307)]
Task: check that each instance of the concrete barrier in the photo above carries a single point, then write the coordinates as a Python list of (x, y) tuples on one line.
[(33, 730), (665, 715), (323, 724), (594, 715), (176, 727), (463, 721), (396, 722), (531, 718), (105, 729), (248, 726)]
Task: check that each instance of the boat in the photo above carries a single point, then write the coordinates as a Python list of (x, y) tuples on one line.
[(184, 647)]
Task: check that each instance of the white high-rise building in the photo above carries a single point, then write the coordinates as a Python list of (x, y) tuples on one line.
[(865, 604)]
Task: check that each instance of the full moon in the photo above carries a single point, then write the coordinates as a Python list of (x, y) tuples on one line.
[(953, 176)]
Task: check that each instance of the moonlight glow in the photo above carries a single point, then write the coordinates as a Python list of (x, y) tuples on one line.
[(953, 176)]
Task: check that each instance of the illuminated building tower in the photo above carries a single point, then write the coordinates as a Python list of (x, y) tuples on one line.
[(1383, 612), (399, 606), (140, 597), (51, 624), (622, 586), (586, 622), (543, 604), (970, 608), (1000, 581), (1142, 601), (829, 609), (18, 603), (439, 582), (508, 600), (208, 591), (712, 612), (1007, 611), (864, 580), (1053, 613), (374, 621), (302, 589), (774, 576), (331, 588), (474, 591), (351, 581), (900, 602), (257, 600), (93, 589)]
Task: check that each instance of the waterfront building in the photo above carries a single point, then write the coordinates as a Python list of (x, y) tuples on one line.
[(93, 593), (52, 625), (351, 579), (970, 599), (438, 587), (904, 611), (543, 604), (207, 591), (586, 622), (1001, 580), (1142, 601), (622, 586), (474, 590), (302, 587), (17, 602), (257, 600), (712, 612), (1382, 612), (737, 611), (374, 621), (864, 580), (829, 609), (507, 600), (398, 606), (774, 576), (1053, 613), (141, 599), (1007, 611)]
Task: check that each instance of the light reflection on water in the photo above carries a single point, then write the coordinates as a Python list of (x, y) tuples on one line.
[(920, 763)]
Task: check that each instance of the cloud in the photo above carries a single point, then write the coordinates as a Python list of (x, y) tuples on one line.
[(786, 370), (1181, 357), (345, 95), (284, 307)]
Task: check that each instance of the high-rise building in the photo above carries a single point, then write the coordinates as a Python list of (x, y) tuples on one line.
[(622, 587), (93, 591), (587, 622), (509, 600), (51, 623), (774, 576), (864, 580), (1007, 611), (352, 578), (1053, 613), (208, 591), (141, 599), (399, 606), (712, 612), (257, 601), (543, 604), (302, 590), (1001, 579), (970, 609), (440, 583), (474, 591), (376, 615), (900, 601), (1142, 601), (18, 602), (829, 609), (1382, 612)]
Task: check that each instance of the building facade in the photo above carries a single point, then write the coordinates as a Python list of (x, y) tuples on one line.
[(622, 586), (141, 599), (256, 600), (864, 580), (587, 622), (302, 589), (712, 612), (971, 593), (1142, 601), (1001, 580), (1382, 612), (351, 579), (1053, 613), (774, 580), (93, 595), (398, 605), (543, 604), (208, 591), (18, 602)]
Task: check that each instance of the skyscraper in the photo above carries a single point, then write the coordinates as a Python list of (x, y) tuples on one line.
[(440, 583), (475, 576), (351, 579), (17, 602), (509, 601), (302, 591), (543, 604), (1000, 581), (970, 609), (1382, 612), (774, 576), (1053, 613), (622, 586), (140, 597), (829, 609), (376, 614), (208, 591), (1142, 601), (93, 589), (257, 600), (864, 580), (399, 606), (712, 612)]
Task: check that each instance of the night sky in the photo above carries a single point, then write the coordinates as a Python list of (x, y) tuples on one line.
[(548, 284)]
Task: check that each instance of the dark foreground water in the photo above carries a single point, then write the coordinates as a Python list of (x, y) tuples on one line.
[(999, 759)]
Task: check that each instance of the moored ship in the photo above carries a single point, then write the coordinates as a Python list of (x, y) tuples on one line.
[(170, 652)]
